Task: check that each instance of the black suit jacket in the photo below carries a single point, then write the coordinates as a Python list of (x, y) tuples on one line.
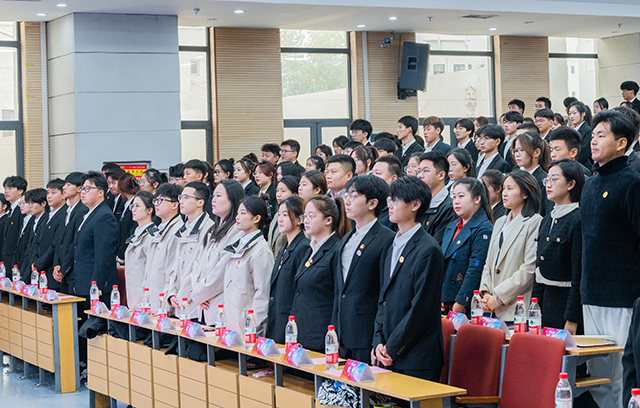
[(473, 151), (634, 161), (498, 164), (288, 261), (11, 237), (45, 244), (109, 199), (4, 223), (436, 219), (126, 228), (636, 106), (64, 248), (408, 322), (441, 147), (118, 207), (30, 238), (631, 356), (507, 156), (384, 219), (356, 301), (584, 155), (545, 205), (23, 246), (251, 189), (94, 254), (314, 294), (498, 211), (404, 158)]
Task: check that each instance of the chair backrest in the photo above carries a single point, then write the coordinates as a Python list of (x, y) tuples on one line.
[(447, 331), (475, 365), (531, 371)]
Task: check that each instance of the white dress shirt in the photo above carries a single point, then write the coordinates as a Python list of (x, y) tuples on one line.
[(399, 243), (349, 250)]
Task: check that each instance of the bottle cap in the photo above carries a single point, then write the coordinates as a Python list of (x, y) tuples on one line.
[(115, 286), (42, 273), (292, 318), (564, 376), (146, 289), (219, 306), (15, 266), (161, 294), (520, 297), (534, 300), (476, 292), (184, 299), (1, 263), (250, 311), (332, 327), (635, 391), (93, 282)]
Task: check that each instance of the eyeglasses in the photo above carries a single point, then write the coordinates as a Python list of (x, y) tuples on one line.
[(392, 202), (217, 172), (482, 139), (517, 150), (413, 169), (182, 197), (158, 201), (86, 189), (286, 151), (550, 181), (307, 217), (142, 182), (135, 206), (351, 194)]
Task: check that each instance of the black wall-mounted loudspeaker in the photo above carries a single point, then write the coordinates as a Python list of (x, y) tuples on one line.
[(413, 72)]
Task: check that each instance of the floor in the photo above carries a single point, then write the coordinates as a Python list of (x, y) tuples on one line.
[(21, 393)]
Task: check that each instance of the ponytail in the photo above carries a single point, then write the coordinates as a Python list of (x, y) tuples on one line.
[(340, 224)]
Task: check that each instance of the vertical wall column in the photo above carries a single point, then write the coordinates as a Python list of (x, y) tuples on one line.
[(114, 91), (383, 69), (521, 71), (247, 90), (618, 61), (34, 148)]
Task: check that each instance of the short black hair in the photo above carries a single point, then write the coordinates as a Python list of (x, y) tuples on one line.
[(529, 187), (383, 135), (288, 169), (568, 101), (492, 131), (341, 141), (529, 127), (363, 125), (410, 121), (393, 163), (201, 190), (513, 117), (108, 166), (4, 202), (571, 171), (37, 195), (569, 136), (411, 188), (97, 179), (438, 159), (56, 183), (347, 163), (198, 166), (352, 144), (386, 145), (621, 125), (631, 114), (630, 86), (75, 178), (170, 191), (371, 187), (177, 170), (544, 113), (271, 148), (518, 103), (17, 182), (546, 101), (293, 144), (465, 123)]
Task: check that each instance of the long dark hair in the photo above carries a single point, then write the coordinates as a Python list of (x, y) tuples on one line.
[(317, 179), (256, 206), (147, 199), (295, 208), (340, 224), (477, 189), (582, 108), (235, 193), (528, 186), (463, 156), (530, 142)]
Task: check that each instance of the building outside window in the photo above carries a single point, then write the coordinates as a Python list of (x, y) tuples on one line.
[(573, 70), (10, 114)]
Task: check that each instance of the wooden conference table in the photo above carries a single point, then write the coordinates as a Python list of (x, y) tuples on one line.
[(135, 374)]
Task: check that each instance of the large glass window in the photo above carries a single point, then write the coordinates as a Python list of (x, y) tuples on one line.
[(573, 70), (10, 116)]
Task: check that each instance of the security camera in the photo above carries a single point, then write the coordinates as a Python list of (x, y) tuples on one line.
[(388, 40)]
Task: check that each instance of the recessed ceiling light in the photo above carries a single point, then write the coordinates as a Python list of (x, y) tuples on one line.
[(41, 14), (361, 26), (61, 4), (239, 11), (393, 18), (493, 29)]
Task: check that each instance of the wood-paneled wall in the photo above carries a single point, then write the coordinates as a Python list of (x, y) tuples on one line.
[(32, 104), (358, 108), (521, 71), (247, 90)]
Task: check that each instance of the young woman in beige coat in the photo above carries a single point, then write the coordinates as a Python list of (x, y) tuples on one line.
[(138, 245), (208, 277), (511, 261), (248, 271)]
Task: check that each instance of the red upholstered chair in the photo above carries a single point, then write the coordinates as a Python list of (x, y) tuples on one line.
[(447, 331), (475, 365), (531, 371)]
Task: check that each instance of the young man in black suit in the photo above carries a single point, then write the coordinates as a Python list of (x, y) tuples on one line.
[(542, 103), (106, 168), (14, 188), (73, 216), (358, 277), (112, 177), (289, 151), (408, 328), (36, 200), (432, 128), (463, 129), (434, 168), (516, 105), (407, 128), (543, 119), (490, 138), (4, 219), (510, 125), (564, 143), (630, 92), (361, 131)]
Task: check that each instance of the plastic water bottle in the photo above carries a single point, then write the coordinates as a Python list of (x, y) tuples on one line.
[(291, 333), (94, 294), (476, 307), (145, 305), (634, 402), (43, 283), (184, 313), (331, 348), (520, 316), (250, 330), (15, 273), (221, 321), (115, 297), (564, 397), (535, 317), (162, 306), (3, 270), (34, 277)]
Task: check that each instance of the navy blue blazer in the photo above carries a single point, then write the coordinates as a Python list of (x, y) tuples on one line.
[(464, 258), (94, 254), (408, 322)]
